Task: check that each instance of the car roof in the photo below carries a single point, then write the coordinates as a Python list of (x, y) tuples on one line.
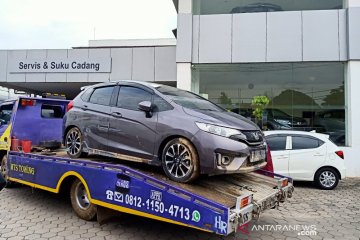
[(148, 84), (292, 132)]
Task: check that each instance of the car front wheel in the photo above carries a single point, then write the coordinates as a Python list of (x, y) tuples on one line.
[(326, 178), (180, 161)]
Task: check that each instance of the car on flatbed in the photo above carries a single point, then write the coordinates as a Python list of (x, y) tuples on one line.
[(161, 125)]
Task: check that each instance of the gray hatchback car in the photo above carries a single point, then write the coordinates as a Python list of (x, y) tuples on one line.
[(156, 124)]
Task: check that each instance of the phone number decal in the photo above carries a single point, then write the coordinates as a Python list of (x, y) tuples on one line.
[(154, 204)]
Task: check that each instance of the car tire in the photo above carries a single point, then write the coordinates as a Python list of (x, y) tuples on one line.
[(326, 178), (180, 160), (74, 143), (80, 201)]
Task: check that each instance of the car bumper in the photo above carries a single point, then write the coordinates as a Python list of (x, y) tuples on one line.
[(212, 149)]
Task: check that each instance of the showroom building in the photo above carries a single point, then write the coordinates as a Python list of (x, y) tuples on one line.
[(303, 55)]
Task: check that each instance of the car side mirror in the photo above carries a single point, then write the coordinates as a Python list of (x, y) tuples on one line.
[(147, 107)]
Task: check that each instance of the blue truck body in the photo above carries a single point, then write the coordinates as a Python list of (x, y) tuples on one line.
[(218, 204)]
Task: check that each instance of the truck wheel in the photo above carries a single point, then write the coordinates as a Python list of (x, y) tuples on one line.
[(4, 172), (80, 201), (180, 161), (326, 178), (74, 143)]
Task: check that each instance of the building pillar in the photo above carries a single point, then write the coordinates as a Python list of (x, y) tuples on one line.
[(183, 77), (351, 3), (352, 89)]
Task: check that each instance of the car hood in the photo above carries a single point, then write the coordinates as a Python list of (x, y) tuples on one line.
[(228, 119)]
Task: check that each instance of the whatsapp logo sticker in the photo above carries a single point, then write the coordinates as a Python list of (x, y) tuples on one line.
[(196, 216)]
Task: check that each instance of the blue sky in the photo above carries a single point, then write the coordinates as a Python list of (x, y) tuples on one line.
[(54, 24)]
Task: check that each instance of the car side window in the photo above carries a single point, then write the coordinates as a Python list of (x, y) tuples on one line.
[(305, 142), (276, 143), (102, 95), (161, 104), (86, 95), (130, 97)]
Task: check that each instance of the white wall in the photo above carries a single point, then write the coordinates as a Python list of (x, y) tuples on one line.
[(352, 3), (184, 76), (352, 153)]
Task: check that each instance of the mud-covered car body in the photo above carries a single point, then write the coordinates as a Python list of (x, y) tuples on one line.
[(138, 120)]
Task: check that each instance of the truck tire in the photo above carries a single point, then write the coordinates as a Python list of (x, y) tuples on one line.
[(180, 160), (326, 178), (74, 143), (4, 172), (80, 201)]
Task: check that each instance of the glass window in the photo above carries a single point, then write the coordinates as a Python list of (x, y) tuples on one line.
[(102, 95), (5, 113), (276, 143), (203, 7), (86, 94), (130, 97), (161, 105), (304, 142), (52, 111), (302, 96)]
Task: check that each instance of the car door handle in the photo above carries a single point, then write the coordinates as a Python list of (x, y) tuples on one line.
[(116, 114), (85, 107)]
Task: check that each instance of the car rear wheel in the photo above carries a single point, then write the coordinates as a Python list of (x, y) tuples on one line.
[(326, 178), (180, 161), (74, 143), (80, 201)]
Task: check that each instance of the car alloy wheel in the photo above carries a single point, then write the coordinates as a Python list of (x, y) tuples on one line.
[(327, 179), (73, 142), (180, 160)]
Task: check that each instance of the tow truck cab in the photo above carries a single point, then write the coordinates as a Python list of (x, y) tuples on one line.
[(38, 120)]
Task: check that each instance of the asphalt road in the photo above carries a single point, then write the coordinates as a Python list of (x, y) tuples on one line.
[(27, 213)]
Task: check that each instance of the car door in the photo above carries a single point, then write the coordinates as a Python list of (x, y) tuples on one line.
[(131, 131), (306, 155), (279, 145), (96, 118)]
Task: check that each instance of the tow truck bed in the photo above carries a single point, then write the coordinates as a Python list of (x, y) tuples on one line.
[(217, 204)]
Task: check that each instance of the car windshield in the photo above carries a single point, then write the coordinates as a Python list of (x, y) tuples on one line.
[(188, 99), (5, 113)]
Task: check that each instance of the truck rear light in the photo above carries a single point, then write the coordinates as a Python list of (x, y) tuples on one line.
[(340, 154), (70, 105), (28, 102), (245, 201)]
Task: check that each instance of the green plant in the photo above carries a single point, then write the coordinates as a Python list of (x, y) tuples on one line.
[(259, 103)]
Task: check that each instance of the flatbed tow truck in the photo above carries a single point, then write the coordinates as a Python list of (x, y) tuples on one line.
[(218, 204)]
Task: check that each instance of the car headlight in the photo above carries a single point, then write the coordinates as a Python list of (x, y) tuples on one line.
[(219, 130)]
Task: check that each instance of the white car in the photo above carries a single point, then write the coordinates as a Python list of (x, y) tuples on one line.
[(306, 156)]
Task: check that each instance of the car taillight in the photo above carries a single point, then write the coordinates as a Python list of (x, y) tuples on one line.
[(340, 154), (70, 105), (27, 102)]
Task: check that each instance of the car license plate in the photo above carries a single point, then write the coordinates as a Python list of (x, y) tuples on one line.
[(257, 155)]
